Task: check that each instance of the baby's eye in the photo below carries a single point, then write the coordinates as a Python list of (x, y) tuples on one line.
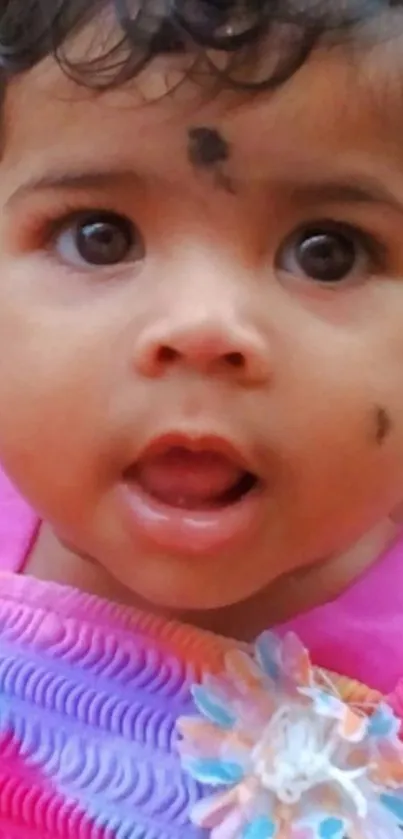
[(326, 252), (99, 238)]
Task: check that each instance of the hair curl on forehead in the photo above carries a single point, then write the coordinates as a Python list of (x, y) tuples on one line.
[(278, 35)]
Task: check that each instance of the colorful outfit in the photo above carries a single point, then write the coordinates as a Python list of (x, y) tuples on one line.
[(91, 694)]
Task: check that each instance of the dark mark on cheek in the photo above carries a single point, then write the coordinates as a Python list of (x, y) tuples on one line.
[(383, 424), (207, 147)]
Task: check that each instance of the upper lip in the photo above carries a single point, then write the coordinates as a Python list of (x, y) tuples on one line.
[(196, 442)]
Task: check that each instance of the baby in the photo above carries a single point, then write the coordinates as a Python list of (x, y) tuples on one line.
[(201, 309)]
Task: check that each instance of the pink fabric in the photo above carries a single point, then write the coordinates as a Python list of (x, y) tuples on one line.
[(18, 525), (360, 634)]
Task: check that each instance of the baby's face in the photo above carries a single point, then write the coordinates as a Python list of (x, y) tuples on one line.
[(201, 332)]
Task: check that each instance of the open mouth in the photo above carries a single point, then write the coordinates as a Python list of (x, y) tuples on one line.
[(195, 480), (192, 496)]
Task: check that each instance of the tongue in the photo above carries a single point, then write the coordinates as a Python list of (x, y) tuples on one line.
[(185, 478)]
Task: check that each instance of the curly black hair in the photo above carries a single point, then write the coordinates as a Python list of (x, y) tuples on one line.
[(277, 35)]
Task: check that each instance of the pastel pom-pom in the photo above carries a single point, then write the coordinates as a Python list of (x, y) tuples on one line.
[(311, 766)]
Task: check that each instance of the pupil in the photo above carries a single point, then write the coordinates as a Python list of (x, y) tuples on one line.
[(104, 241), (326, 257)]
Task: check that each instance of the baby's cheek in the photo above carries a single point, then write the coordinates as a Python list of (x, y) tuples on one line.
[(347, 474)]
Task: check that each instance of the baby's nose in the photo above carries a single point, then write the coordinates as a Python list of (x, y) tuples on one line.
[(206, 347)]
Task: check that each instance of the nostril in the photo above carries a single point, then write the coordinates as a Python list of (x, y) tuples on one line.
[(235, 359), (167, 355)]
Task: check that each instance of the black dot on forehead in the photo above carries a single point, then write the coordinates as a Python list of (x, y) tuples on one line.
[(207, 147)]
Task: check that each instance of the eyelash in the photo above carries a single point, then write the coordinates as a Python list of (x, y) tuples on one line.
[(51, 225), (376, 249), (35, 228)]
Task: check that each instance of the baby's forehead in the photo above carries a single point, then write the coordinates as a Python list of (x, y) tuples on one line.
[(343, 104)]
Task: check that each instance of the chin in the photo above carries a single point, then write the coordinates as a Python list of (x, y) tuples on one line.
[(187, 598)]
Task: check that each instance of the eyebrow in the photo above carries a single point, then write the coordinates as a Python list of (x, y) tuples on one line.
[(355, 190), (82, 179)]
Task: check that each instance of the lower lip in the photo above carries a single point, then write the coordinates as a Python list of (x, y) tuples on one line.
[(191, 532)]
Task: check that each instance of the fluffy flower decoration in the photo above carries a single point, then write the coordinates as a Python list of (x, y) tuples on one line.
[(286, 757)]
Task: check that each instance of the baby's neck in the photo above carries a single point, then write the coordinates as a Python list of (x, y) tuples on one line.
[(279, 602)]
